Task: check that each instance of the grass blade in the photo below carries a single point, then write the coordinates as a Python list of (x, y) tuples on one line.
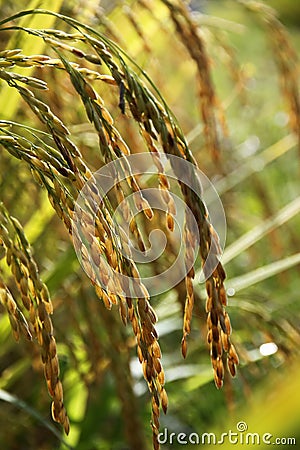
[(256, 233), (262, 273), (255, 164), (9, 98), (12, 399)]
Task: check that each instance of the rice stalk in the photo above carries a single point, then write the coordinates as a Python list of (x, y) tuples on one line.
[(212, 114), (120, 361), (17, 320), (37, 303), (137, 27), (285, 58), (57, 195), (61, 169), (263, 272), (227, 55), (255, 234), (9, 101)]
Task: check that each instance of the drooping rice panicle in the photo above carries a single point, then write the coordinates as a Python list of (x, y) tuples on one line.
[(285, 57), (37, 303), (64, 172), (137, 27), (212, 115)]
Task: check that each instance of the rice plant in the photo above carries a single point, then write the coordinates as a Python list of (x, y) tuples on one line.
[(77, 100)]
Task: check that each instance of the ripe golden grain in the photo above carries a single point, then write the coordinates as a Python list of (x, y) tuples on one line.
[(25, 272), (61, 169)]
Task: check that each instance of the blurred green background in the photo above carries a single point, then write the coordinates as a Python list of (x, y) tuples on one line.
[(259, 186)]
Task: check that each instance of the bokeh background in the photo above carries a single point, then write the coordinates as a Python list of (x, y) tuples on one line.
[(257, 178)]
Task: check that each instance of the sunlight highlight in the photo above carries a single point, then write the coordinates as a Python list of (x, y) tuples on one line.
[(269, 348)]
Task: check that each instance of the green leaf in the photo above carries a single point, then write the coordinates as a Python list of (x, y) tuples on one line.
[(255, 234), (262, 273), (12, 399)]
